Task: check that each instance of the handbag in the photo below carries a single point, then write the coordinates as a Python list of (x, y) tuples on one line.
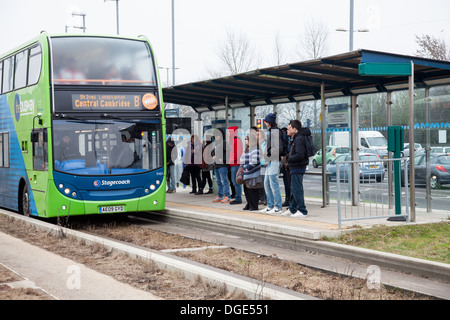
[(185, 179), (254, 183), (240, 175)]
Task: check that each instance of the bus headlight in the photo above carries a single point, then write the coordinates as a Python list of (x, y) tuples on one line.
[(66, 190), (152, 187)]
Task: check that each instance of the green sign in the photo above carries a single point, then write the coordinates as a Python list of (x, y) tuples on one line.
[(384, 69)]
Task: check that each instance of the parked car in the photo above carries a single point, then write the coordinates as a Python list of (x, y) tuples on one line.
[(440, 150), (406, 150), (331, 153), (370, 167), (439, 170)]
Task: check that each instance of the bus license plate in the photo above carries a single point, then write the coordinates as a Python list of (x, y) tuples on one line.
[(112, 209)]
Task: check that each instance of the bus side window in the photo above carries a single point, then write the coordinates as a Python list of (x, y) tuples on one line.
[(4, 149), (40, 151)]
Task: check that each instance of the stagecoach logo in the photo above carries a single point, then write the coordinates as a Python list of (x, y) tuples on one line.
[(149, 101), (110, 183), (23, 107)]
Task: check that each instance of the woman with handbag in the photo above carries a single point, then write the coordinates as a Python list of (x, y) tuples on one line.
[(251, 165)]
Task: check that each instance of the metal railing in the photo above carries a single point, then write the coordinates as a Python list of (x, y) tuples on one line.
[(374, 194)]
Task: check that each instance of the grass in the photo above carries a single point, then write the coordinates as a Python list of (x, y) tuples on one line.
[(426, 241)]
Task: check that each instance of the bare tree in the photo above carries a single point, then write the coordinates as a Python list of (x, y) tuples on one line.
[(237, 54), (279, 52), (314, 43), (432, 47)]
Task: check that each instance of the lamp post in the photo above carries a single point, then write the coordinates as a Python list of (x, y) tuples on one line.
[(167, 74), (350, 30), (81, 14), (117, 13), (173, 42)]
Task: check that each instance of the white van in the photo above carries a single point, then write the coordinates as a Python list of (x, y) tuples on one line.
[(366, 139)]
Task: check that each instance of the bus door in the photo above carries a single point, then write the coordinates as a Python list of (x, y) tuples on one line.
[(39, 174)]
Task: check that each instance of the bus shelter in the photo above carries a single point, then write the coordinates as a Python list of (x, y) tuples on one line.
[(349, 74)]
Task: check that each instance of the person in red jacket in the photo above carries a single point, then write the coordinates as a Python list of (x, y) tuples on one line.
[(234, 162)]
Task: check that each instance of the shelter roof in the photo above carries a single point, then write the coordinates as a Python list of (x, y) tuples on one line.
[(301, 81)]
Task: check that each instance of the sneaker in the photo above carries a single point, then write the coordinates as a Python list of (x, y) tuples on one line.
[(226, 200), (265, 210), (235, 202), (287, 213), (275, 211), (218, 199), (299, 214)]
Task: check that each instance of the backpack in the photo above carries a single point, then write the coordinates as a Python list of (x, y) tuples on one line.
[(310, 147), (284, 143)]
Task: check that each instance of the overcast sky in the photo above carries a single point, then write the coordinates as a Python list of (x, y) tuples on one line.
[(201, 25)]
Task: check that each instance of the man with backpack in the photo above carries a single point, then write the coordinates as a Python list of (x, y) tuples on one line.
[(301, 148)]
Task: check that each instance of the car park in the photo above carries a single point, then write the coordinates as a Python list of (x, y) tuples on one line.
[(331, 153), (440, 150), (406, 149), (439, 170), (370, 167)]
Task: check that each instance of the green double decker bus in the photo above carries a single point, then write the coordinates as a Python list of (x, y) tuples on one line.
[(81, 127)]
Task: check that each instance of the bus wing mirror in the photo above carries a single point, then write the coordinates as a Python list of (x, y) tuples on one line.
[(34, 137)]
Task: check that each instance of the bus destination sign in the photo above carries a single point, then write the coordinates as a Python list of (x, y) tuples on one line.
[(113, 102)]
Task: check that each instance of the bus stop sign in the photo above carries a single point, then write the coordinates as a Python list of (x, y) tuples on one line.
[(384, 69)]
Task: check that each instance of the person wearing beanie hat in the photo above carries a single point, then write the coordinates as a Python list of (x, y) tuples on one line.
[(271, 184), (271, 119)]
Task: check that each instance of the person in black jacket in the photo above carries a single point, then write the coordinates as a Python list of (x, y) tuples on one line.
[(297, 162), (171, 179)]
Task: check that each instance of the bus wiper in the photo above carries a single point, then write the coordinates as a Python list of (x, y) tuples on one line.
[(108, 116), (65, 116)]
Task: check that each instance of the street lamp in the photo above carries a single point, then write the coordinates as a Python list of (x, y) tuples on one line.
[(351, 31), (167, 72), (81, 14), (351, 35), (117, 13)]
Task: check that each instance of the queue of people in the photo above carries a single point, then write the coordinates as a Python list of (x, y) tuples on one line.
[(252, 167)]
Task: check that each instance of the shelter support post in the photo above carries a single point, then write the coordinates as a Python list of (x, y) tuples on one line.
[(389, 164), (412, 188), (354, 144), (297, 110), (323, 134), (427, 151), (226, 111), (252, 116)]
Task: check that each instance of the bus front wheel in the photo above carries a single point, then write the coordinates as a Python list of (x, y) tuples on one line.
[(25, 204)]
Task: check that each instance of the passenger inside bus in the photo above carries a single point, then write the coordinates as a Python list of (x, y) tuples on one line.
[(123, 154), (66, 149)]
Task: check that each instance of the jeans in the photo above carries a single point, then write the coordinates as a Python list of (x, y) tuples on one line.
[(223, 188), (238, 187), (272, 186), (171, 185), (297, 202)]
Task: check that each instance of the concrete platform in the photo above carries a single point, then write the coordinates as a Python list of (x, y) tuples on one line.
[(319, 222)]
